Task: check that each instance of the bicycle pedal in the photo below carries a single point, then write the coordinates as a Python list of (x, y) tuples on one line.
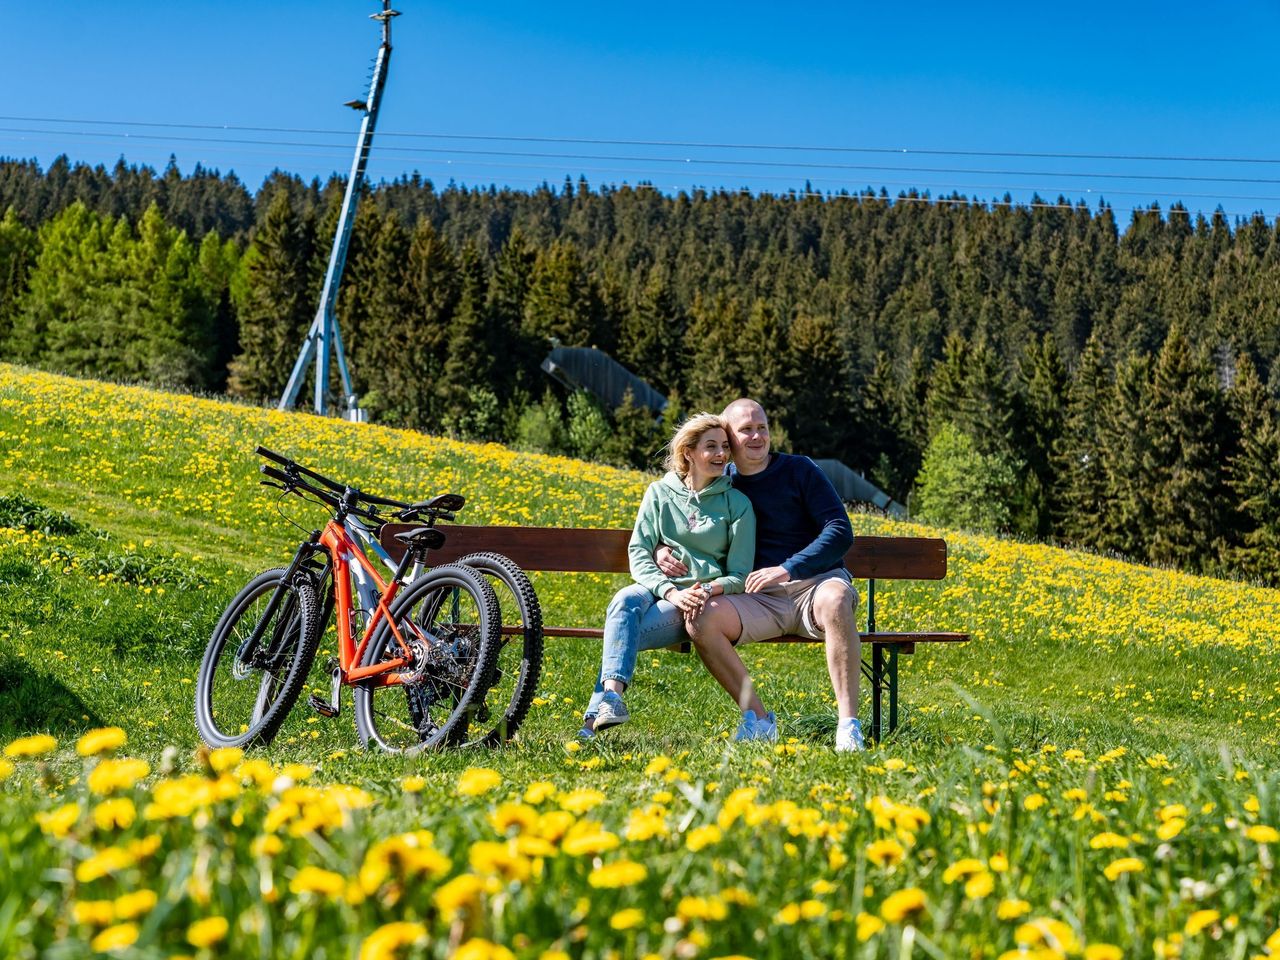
[(322, 706)]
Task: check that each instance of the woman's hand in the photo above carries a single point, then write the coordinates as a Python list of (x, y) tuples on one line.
[(689, 601)]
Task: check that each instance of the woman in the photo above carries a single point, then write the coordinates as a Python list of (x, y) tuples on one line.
[(709, 525)]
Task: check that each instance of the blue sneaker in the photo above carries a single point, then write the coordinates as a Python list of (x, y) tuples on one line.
[(757, 728), (586, 733), (849, 736), (611, 712)]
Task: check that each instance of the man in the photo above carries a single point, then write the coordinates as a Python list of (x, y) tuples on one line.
[(799, 585)]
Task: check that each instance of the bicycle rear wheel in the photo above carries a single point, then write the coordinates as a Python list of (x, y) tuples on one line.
[(241, 704), (450, 621), (519, 663)]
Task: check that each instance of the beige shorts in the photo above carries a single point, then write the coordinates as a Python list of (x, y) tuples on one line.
[(784, 609)]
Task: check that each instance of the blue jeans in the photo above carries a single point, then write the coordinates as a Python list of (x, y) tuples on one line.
[(636, 620)]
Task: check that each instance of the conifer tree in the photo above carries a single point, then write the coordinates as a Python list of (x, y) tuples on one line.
[(274, 305), (824, 415), (1187, 427), (714, 374), (1125, 452), (466, 385), (508, 288), (1254, 476), (17, 254), (1045, 390), (1081, 478), (559, 302)]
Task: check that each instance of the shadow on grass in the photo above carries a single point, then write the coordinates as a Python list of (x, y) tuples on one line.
[(32, 701)]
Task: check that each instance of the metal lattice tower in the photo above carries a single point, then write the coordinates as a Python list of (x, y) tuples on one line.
[(324, 336)]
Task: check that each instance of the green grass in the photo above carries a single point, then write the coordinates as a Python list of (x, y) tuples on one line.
[(130, 518)]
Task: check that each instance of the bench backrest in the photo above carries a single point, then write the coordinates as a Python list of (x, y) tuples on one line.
[(605, 551)]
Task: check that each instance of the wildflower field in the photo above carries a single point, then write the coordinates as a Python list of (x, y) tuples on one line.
[(1093, 776)]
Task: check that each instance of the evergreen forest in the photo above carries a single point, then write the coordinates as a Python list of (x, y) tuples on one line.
[(1040, 369)]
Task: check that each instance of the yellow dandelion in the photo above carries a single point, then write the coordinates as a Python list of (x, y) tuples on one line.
[(477, 781), (581, 801), (112, 775), (110, 860), (1103, 951), (58, 823), (1012, 909), (1109, 841), (901, 904), (539, 791), (94, 913), (868, 926), (979, 885), (963, 868), (101, 740), (701, 837), (227, 758), (626, 919), (6, 769), (460, 894), (1118, 868), (386, 942), (317, 880), (1201, 919), (117, 813), (33, 746), (1261, 833), (701, 908), (620, 873), (207, 932), (1033, 801), (885, 853), (413, 784), (479, 949), (132, 905), (119, 937)]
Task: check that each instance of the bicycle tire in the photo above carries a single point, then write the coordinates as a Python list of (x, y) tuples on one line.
[(518, 666), (451, 617), (229, 711)]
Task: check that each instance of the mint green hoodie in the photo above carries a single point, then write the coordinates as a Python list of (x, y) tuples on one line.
[(713, 531)]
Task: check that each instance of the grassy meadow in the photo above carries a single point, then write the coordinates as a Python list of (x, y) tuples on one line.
[(1092, 776)]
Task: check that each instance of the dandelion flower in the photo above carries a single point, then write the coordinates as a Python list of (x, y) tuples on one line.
[(1117, 868), (626, 919), (385, 942), (868, 926), (115, 938), (100, 741), (620, 873), (479, 949), (702, 837), (1103, 951), (207, 932), (1261, 833), (316, 880), (1201, 919), (885, 853), (901, 904), (34, 746), (131, 905)]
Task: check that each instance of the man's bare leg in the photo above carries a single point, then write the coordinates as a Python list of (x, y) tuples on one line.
[(713, 633), (833, 613)]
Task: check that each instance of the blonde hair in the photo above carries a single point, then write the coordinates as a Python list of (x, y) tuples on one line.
[(686, 438)]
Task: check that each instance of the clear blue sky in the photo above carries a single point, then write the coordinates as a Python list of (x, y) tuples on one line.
[(1171, 79)]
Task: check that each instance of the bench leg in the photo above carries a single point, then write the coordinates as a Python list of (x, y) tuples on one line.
[(877, 683), (893, 689)]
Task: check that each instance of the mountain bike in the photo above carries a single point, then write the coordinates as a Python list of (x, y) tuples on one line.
[(427, 652)]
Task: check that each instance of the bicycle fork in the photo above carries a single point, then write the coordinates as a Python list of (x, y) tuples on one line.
[(250, 651)]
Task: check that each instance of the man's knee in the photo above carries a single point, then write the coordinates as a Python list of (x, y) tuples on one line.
[(834, 600)]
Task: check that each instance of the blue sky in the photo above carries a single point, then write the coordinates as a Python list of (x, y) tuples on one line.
[(1168, 80)]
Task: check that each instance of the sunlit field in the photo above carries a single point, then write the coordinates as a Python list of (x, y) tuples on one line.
[(1091, 776)]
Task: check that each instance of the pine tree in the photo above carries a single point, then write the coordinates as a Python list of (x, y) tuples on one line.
[(1045, 391), (1254, 476), (1125, 451), (466, 386), (1187, 427), (1080, 474), (274, 304), (559, 303), (765, 363), (635, 439), (17, 255), (653, 333), (824, 414), (948, 391), (714, 374)]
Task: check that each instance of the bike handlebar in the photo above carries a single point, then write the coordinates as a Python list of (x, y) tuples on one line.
[(346, 496)]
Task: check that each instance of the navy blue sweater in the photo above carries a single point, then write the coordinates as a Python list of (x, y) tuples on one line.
[(801, 525)]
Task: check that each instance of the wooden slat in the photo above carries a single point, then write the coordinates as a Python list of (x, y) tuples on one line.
[(578, 550), (586, 550), (887, 639), (898, 558)]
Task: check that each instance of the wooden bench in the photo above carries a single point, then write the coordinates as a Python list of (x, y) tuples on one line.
[(569, 550)]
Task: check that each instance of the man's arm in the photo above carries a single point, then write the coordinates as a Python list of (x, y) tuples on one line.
[(668, 562), (827, 550)]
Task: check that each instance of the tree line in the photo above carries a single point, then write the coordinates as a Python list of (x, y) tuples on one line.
[(1032, 368)]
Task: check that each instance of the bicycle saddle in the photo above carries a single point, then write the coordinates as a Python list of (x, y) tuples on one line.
[(428, 538)]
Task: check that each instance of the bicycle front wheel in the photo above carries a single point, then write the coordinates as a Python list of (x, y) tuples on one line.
[(241, 703), (448, 623), (519, 664)]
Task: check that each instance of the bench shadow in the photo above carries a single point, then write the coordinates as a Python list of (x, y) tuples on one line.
[(32, 701)]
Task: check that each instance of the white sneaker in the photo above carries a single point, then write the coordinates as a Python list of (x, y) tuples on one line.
[(849, 736), (611, 712)]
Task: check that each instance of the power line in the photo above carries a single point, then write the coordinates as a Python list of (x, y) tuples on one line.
[(684, 161), (709, 145)]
